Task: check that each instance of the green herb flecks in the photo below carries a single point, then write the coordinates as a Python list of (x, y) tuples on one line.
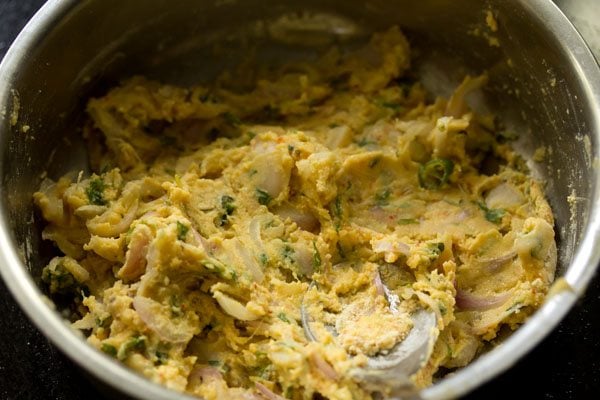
[(220, 269), (316, 257), (434, 250), (337, 211), (288, 254), (228, 206), (95, 192), (381, 198), (373, 163), (494, 215), (103, 322), (109, 349), (58, 279), (182, 231), (283, 317), (263, 258), (135, 343), (161, 357), (435, 173), (263, 197)]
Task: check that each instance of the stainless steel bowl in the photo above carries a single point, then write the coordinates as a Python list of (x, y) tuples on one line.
[(543, 81)]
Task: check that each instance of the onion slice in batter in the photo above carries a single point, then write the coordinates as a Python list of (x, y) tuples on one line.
[(234, 308), (152, 314), (470, 302), (266, 392)]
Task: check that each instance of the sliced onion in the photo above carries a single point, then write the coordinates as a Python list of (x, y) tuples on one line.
[(273, 172), (323, 366), (470, 302), (462, 215), (304, 219), (431, 303), (493, 264), (99, 226), (338, 137), (205, 373), (249, 261), (391, 247), (89, 211), (457, 105), (79, 273), (503, 196), (267, 393), (254, 229), (135, 259), (379, 284), (305, 260), (234, 307), (152, 314)]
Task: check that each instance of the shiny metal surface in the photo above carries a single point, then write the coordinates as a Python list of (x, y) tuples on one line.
[(543, 80)]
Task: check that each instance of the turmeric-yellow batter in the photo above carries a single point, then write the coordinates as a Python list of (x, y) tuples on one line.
[(190, 249)]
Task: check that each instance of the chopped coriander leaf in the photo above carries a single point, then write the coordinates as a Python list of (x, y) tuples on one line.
[(316, 257), (435, 173), (161, 358), (214, 363), (58, 279), (227, 204), (135, 343), (288, 253), (263, 258), (95, 192), (493, 215), (103, 322), (263, 197), (222, 219), (109, 349), (283, 317), (182, 231), (435, 249), (337, 207), (381, 198)]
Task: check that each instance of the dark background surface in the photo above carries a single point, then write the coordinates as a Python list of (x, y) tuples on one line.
[(566, 365)]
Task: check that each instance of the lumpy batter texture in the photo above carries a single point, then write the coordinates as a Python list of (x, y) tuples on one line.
[(189, 251)]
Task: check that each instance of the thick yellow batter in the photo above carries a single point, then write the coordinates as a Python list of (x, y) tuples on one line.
[(189, 251)]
